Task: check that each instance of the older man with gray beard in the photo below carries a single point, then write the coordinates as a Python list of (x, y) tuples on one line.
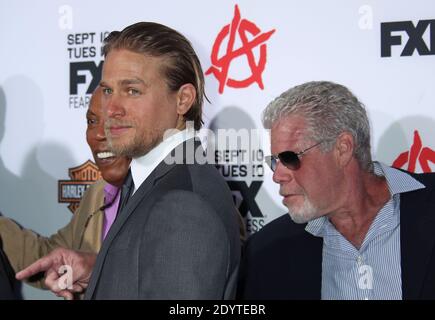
[(356, 229)]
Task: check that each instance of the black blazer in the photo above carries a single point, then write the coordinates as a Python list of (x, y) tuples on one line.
[(283, 261)]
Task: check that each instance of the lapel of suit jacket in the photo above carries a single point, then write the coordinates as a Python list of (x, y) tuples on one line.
[(417, 239), (162, 169)]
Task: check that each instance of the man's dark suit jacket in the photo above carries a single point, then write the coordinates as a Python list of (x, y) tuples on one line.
[(7, 278), (176, 238), (283, 261)]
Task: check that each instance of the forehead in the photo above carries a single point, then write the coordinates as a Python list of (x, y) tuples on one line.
[(122, 64), (288, 133)]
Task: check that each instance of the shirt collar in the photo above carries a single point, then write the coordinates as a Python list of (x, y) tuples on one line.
[(142, 167), (397, 181), (110, 192)]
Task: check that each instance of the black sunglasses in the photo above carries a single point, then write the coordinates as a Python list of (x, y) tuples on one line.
[(290, 159)]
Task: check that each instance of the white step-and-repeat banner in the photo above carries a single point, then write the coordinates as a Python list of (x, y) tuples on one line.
[(50, 62)]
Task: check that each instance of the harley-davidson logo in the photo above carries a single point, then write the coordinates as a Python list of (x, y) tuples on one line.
[(72, 191)]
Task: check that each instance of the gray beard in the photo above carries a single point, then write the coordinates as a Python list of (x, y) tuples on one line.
[(305, 214)]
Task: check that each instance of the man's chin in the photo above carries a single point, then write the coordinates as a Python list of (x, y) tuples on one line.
[(298, 218), (121, 150), (131, 151), (303, 214)]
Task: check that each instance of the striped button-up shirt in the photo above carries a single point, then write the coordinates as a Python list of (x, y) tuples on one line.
[(374, 270)]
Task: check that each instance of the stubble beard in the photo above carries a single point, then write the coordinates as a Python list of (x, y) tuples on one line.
[(137, 147)]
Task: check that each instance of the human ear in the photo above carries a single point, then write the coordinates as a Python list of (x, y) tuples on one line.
[(344, 148), (186, 96)]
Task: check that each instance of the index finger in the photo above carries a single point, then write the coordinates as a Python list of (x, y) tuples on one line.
[(40, 265)]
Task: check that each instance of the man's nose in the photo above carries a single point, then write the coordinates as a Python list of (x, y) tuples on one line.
[(113, 106), (100, 134), (282, 174)]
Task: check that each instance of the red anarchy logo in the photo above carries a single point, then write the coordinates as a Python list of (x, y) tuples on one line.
[(423, 155), (221, 65)]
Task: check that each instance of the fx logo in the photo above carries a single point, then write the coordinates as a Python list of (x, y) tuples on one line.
[(415, 41), (76, 76), (248, 195), (221, 65)]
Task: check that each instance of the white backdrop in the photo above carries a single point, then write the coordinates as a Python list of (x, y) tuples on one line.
[(42, 118)]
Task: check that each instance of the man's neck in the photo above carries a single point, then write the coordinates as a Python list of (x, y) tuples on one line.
[(142, 167), (366, 195)]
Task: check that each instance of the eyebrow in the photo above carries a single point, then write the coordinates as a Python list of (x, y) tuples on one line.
[(90, 113), (125, 82)]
